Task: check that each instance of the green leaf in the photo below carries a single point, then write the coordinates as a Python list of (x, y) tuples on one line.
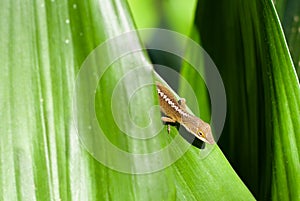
[(289, 13), (261, 138)]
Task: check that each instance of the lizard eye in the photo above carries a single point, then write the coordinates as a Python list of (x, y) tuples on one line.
[(200, 133)]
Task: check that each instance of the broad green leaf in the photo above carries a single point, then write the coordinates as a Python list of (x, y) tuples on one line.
[(43, 44), (289, 13), (261, 137)]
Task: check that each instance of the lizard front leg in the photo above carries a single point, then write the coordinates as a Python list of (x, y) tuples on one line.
[(182, 102), (168, 120)]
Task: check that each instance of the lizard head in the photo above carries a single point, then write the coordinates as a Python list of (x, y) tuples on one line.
[(204, 133), (200, 129)]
